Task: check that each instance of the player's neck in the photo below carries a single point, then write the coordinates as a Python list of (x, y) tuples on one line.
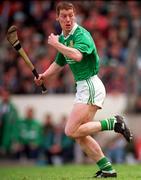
[(66, 33)]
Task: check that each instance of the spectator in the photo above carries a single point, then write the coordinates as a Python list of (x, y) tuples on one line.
[(48, 125), (30, 137), (8, 122)]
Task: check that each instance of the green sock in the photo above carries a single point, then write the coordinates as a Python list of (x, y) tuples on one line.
[(105, 165), (108, 124)]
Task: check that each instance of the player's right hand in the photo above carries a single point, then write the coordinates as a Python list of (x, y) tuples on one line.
[(39, 81)]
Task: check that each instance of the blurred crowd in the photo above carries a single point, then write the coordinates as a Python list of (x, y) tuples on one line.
[(114, 25), (25, 139)]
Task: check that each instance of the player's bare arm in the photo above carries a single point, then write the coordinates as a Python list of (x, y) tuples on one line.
[(72, 53), (50, 72)]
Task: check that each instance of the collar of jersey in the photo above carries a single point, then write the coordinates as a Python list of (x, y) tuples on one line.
[(71, 32)]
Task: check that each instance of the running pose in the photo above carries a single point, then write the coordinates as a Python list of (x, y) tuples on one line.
[(76, 47)]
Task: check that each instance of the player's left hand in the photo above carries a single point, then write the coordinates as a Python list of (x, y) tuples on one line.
[(53, 39)]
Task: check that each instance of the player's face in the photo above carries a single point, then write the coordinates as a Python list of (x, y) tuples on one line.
[(66, 19)]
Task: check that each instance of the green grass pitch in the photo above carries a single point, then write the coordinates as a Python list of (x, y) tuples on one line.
[(66, 172)]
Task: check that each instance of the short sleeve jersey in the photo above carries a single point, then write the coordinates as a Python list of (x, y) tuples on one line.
[(81, 40)]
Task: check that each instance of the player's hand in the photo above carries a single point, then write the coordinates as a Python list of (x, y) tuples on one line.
[(40, 79), (53, 39)]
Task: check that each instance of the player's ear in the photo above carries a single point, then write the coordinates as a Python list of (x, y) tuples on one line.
[(57, 17)]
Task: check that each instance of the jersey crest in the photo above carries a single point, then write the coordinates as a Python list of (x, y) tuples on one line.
[(71, 44)]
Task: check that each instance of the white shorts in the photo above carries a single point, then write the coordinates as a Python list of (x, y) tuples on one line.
[(90, 91)]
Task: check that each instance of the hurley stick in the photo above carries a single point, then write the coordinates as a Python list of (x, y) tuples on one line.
[(12, 37)]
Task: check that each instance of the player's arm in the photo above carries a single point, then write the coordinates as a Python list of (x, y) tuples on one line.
[(72, 53), (50, 72)]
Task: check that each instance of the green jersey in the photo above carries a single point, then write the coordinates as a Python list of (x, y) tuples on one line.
[(79, 38)]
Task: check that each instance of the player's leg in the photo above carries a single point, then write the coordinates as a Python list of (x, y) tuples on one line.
[(81, 114), (79, 123), (92, 91), (90, 147), (93, 150), (89, 98), (116, 123)]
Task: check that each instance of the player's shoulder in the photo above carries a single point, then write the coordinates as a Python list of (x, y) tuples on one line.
[(81, 31), (81, 28)]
